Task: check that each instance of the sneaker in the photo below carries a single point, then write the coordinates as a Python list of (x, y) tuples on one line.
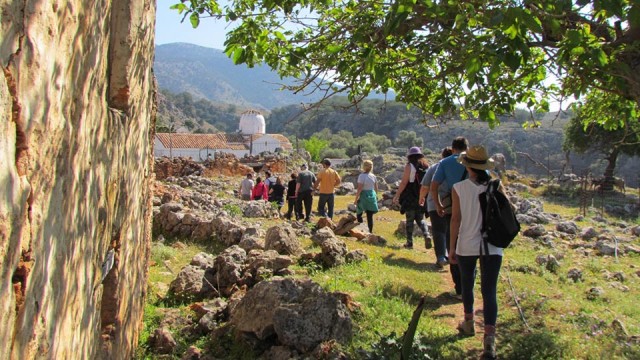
[(489, 347), (407, 246), (456, 296), (427, 242), (441, 263), (467, 328)]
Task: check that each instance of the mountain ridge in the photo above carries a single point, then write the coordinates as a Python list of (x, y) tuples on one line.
[(209, 74)]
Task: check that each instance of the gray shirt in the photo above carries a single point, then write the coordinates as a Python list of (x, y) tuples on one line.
[(306, 179), (245, 186), (426, 181)]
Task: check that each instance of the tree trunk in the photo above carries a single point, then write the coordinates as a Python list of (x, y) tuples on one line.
[(608, 172)]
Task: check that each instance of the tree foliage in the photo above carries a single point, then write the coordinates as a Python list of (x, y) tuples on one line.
[(314, 146), (606, 124), (478, 58), (408, 139)]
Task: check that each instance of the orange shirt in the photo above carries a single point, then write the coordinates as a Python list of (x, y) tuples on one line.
[(328, 179)]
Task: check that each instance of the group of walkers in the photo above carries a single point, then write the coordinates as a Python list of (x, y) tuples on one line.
[(446, 192), (449, 195), (299, 191)]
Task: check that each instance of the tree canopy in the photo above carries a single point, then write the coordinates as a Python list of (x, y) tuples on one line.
[(479, 58), (605, 124)]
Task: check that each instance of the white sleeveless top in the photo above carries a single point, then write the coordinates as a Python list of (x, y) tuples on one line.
[(469, 236)]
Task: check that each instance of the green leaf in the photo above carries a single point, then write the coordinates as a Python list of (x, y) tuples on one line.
[(180, 7), (578, 50), (333, 48), (512, 60), (195, 20), (473, 66)]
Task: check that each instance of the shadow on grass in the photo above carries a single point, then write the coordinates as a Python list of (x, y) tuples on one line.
[(392, 260)]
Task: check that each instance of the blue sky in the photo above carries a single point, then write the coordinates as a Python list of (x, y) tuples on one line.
[(210, 33)]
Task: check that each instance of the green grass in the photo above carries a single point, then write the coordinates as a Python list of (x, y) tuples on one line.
[(562, 322)]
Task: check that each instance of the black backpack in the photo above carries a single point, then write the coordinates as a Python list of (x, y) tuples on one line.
[(411, 193), (499, 223)]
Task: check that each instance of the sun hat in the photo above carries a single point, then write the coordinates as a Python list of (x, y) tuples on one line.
[(326, 162), (476, 158), (414, 151)]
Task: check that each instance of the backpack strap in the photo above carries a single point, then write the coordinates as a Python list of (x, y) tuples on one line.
[(493, 185)]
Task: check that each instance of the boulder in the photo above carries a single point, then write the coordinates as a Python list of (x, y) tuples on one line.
[(567, 227), (188, 283), (298, 312), (534, 231), (322, 235), (284, 240), (333, 252)]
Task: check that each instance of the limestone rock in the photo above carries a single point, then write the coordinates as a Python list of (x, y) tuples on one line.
[(333, 252), (284, 240), (534, 231), (298, 312), (568, 227)]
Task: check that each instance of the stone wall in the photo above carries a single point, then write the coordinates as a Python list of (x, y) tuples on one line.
[(77, 105)]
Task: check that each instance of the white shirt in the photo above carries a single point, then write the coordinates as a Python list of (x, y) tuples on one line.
[(469, 236), (368, 181)]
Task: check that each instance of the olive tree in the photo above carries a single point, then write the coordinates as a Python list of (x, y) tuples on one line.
[(607, 125), (476, 58)]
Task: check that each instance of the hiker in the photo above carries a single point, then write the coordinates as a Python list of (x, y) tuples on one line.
[(439, 229), (276, 193), (269, 179), (304, 192), (366, 197), (447, 174), (467, 246), (408, 194), (260, 190), (291, 197), (327, 180), (246, 187)]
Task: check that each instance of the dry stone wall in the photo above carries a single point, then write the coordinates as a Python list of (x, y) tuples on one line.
[(76, 104)]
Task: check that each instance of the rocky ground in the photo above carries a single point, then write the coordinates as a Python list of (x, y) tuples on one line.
[(248, 289)]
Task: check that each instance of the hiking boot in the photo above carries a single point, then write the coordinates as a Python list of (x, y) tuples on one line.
[(427, 242), (467, 328), (408, 246), (489, 347)]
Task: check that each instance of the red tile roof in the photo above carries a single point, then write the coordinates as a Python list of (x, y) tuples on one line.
[(201, 141), (284, 142)]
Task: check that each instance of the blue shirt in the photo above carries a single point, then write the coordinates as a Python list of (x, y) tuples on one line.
[(449, 172)]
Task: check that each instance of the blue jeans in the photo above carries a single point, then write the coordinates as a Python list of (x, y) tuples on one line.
[(440, 234), (489, 271), (418, 217), (328, 200), (443, 224)]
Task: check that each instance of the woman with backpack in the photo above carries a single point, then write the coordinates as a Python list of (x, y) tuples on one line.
[(260, 190), (467, 246), (408, 196)]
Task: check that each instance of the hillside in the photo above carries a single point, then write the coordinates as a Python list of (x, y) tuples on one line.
[(209, 74)]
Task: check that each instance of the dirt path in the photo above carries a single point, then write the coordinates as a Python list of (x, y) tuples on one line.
[(451, 313)]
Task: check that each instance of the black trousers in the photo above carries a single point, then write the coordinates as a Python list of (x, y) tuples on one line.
[(306, 198)]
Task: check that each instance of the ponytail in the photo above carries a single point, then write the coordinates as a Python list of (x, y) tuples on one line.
[(482, 176)]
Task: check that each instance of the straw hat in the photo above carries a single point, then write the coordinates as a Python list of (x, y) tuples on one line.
[(476, 157)]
